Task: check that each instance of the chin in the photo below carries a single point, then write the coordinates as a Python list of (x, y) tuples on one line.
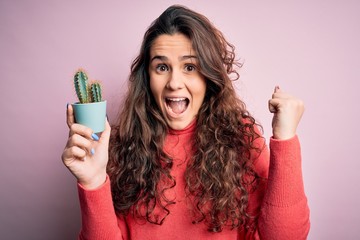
[(178, 125)]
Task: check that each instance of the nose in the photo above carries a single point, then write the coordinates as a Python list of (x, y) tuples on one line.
[(175, 80)]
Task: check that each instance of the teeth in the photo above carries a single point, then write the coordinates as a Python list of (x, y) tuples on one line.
[(176, 99)]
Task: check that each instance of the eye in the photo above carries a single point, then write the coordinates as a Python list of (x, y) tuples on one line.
[(190, 68), (162, 68)]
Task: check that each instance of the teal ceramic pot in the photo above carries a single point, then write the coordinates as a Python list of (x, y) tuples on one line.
[(92, 115)]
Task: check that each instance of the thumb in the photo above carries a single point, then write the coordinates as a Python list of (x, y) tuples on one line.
[(273, 102), (105, 135), (277, 89), (70, 120)]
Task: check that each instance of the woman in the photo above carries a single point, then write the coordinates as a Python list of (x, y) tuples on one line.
[(185, 159)]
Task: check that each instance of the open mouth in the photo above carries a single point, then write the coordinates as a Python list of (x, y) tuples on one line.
[(177, 105)]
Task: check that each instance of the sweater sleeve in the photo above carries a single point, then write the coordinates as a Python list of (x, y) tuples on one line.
[(98, 216), (284, 209)]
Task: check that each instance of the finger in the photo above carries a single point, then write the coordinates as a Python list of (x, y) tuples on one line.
[(70, 120), (80, 142), (274, 105), (73, 153), (83, 131)]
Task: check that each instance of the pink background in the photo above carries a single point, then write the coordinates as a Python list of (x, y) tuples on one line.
[(310, 48)]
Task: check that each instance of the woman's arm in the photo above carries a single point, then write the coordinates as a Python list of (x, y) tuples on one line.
[(86, 157), (284, 210), (99, 220)]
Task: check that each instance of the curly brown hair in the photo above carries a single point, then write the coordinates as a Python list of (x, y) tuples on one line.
[(220, 174)]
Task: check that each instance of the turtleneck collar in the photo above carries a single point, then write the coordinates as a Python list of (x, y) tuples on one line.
[(189, 129)]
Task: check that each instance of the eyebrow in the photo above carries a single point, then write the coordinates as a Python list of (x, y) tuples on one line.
[(164, 58)]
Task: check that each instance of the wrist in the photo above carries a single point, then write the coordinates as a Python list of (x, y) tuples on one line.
[(94, 183), (283, 135)]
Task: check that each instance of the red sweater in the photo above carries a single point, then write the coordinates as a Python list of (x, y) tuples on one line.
[(284, 213)]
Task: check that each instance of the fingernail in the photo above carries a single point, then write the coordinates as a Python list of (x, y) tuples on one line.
[(92, 151), (95, 137)]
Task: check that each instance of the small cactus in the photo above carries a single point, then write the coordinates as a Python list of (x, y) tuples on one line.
[(86, 92), (81, 86), (95, 92)]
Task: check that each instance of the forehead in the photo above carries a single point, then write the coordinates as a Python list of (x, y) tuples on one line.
[(166, 44)]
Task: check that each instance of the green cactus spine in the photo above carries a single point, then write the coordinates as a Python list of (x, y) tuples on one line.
[(86, 92), (81, 86), (95, 92)]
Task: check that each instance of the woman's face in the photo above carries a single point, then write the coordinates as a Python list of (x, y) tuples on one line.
[(175, 81)]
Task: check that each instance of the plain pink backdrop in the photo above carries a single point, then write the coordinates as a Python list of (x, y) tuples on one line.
[(309, 48)]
